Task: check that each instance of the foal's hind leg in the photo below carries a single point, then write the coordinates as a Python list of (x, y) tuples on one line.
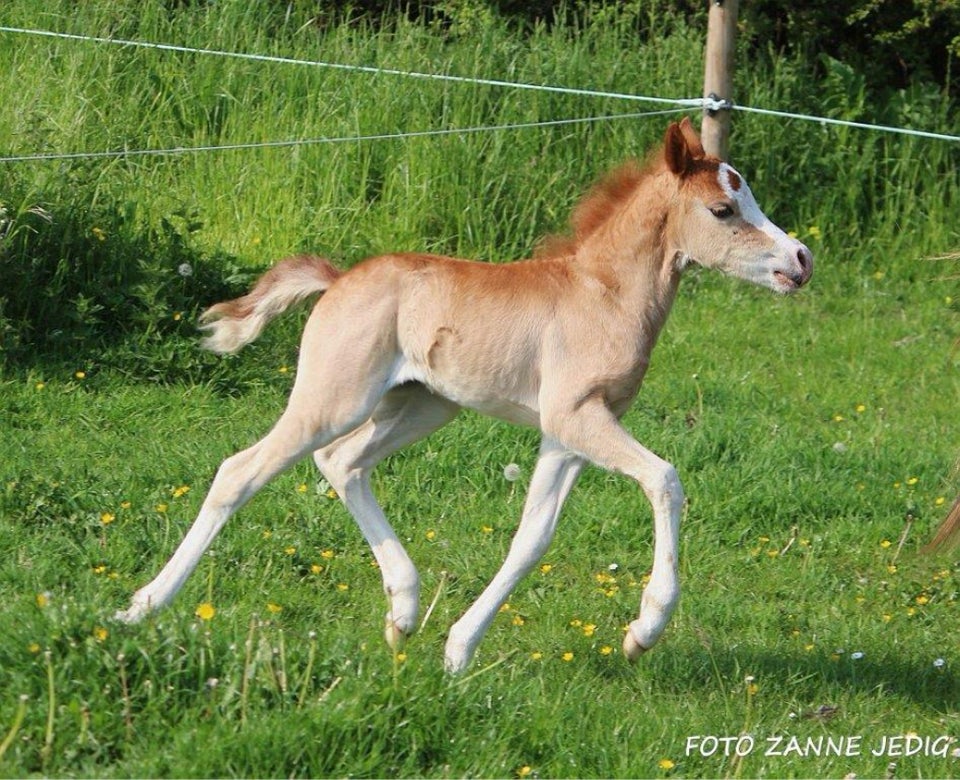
[(404, 415), (323, 406)]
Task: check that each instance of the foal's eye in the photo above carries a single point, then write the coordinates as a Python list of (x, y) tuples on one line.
[(722, 210)]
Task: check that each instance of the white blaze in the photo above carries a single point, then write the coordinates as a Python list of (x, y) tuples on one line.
[(750, 211)]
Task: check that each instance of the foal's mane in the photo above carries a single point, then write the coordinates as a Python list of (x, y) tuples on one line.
[(601, 202)]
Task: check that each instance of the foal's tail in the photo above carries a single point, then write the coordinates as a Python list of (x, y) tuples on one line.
[(233, 324), (948, 534)]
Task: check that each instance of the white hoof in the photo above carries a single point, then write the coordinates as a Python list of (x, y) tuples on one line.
[(139, 609), (394, 635), (632, 649), (456, 658)]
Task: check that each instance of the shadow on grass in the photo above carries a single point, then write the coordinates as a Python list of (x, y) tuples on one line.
[(805, 675), (93, 287)]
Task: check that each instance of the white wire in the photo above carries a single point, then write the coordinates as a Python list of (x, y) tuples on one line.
[(327, 140), (847, 123), (710, 104), (694, 102)]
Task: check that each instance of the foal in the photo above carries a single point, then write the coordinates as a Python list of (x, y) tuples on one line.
[(399, 343)]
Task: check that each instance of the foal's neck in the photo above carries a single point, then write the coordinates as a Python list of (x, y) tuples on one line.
[(630, 252)]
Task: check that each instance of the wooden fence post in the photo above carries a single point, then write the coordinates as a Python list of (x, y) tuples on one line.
[(718, 75)]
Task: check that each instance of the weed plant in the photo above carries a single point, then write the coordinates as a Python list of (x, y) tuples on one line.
[(816, 436)]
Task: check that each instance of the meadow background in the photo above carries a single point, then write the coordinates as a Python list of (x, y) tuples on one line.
[(816, 436)]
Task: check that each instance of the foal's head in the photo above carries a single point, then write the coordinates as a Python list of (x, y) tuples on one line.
[(721, 226)]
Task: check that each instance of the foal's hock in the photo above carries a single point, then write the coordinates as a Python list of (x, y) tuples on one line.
[(398, 344)]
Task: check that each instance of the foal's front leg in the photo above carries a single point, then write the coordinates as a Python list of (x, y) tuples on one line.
[(594, 431), (554, 476)]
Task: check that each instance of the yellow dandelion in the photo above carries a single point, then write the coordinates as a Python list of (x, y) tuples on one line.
[(401, 657), (878, 275), (886, 617), (42, 600), (505, 607), (546, 568), (99, 233), (274, 609), (327, 554), (813, 231), (302, 487), (179, 492), (290, 550), (536, 655), (125, 504), (885, 543), (861, 408), (606, 650), (809, 647), (40, 385), (161, 508), (81, 374), (524, 771), (205, 611), (752, 688), (283, 369), (332, 494), (911, 611), (34, 648), (518, 620), (838, 418), (892, 568), (665, 764), (100, 569), (922, 599), (316, 568), (486, 529), (567, 656), (913, 480), (588, 629), (940, 501), (107, 517), (177, 316), (431, 535), (343, 587), (100, 634), (773, 553)]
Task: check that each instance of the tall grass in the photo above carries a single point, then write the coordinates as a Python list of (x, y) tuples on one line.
[(815, 436)]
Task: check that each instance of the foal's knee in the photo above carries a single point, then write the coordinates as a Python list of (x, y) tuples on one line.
[(661, 483)]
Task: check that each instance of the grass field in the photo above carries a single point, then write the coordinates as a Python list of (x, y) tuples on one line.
[(806, 430)]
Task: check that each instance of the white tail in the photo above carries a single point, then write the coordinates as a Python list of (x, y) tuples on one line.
[(233, 324)]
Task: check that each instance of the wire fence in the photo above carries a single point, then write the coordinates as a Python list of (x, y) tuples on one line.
[(677, 105)]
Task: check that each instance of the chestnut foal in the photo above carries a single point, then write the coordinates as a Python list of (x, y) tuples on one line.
[(398, 344)]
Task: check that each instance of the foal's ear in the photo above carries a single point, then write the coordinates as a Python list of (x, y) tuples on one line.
[(682, 147)]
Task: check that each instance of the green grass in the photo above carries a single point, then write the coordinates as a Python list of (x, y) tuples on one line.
[(805, 430)]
